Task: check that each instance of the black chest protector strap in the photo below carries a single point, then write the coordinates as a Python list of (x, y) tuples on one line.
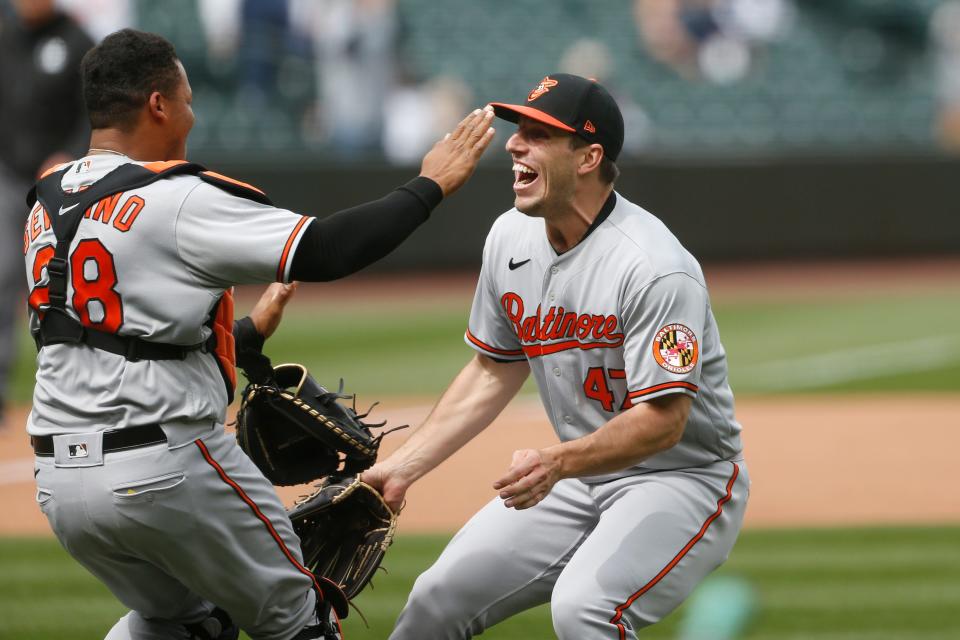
[(65, 212)]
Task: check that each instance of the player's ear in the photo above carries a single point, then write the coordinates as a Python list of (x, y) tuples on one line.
[(592, 156), (156, 106)]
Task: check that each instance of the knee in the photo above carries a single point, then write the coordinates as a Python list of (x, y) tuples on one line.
[(432, 602), (436, 609), (572, 609), (580, 610)]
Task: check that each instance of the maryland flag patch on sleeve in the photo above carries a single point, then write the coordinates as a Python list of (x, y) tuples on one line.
[(675, 348)]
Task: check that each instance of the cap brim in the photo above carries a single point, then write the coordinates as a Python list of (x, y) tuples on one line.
[(512, 113)]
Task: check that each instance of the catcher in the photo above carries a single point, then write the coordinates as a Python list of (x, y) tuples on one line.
[(296, 431)]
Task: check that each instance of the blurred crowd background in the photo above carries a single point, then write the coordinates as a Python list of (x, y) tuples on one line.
[(353, 80)]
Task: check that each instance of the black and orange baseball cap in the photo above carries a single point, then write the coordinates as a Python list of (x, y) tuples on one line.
[(575, 104)]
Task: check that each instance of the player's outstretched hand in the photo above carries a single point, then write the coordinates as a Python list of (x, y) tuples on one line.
[(389, 484), (268, 311), (452, 160), (530, 478)]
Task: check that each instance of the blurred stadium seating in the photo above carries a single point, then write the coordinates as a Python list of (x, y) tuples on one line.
[(844, 77)]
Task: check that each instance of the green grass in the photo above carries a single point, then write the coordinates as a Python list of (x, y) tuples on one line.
[(821, 584), (872, 343)]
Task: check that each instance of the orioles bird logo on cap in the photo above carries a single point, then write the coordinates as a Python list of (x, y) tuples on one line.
[(542, 88)]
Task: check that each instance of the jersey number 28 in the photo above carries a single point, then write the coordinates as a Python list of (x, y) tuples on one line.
[(93, 276)]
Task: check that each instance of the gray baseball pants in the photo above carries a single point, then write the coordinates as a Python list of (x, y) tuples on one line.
[(172, 529), (610, 558)]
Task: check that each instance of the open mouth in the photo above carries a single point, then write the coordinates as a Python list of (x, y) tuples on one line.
[(523, 175)]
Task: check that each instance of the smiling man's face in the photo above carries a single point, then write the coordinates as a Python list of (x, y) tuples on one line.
[(544, 167)]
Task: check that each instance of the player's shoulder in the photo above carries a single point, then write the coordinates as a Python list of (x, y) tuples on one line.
[(206, 186), (511, 232), (513, 220), (512, 227), (648, 244)]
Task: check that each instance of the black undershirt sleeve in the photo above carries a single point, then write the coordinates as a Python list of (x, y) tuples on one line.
[(354, 238), (248, 345)]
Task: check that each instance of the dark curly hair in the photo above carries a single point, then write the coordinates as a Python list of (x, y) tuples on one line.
[(120, 73)]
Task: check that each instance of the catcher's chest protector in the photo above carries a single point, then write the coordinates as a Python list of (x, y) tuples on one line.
[(64, 212)]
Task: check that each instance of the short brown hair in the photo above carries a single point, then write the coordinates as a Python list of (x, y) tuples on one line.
[(609, 172)]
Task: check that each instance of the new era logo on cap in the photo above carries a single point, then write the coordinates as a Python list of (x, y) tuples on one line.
[(574, 104)]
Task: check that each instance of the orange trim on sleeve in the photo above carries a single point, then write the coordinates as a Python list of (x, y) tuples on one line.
[(220, 176), (483, 345), (163, 165), (677, 558), (286, 249), (633, 395)]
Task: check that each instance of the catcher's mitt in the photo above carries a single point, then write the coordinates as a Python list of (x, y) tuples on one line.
[(345, 528), (295, 431)]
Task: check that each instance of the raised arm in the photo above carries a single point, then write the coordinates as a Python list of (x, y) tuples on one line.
[(474, 399)]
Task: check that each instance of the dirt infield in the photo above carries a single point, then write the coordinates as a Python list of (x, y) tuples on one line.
[(813, 461)]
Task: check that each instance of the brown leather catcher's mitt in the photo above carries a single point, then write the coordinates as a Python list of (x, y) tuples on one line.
[(345, 528), (296, 431)]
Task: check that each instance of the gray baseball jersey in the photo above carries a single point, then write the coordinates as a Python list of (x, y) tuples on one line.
[(155, 260), (173, 528), (620, 318)]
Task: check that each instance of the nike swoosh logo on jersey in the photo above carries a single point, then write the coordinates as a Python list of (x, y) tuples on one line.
[(516, 265), (63, 209)]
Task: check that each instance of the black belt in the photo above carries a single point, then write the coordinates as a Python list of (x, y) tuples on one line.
[(113, 440)]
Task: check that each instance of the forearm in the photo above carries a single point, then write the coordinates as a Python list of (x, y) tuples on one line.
[(474, 399), (627, 439), (354, 238)]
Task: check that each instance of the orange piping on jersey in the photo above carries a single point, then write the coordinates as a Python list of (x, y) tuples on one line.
[(220, 176), (483, 345), (282, 269), (677, 558), (537, 350), (161, 166), (633, 395), (53, 169), (259, 514)]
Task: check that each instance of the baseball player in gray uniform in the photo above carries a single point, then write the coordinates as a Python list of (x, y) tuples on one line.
[(646, 491), (131, 253)]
